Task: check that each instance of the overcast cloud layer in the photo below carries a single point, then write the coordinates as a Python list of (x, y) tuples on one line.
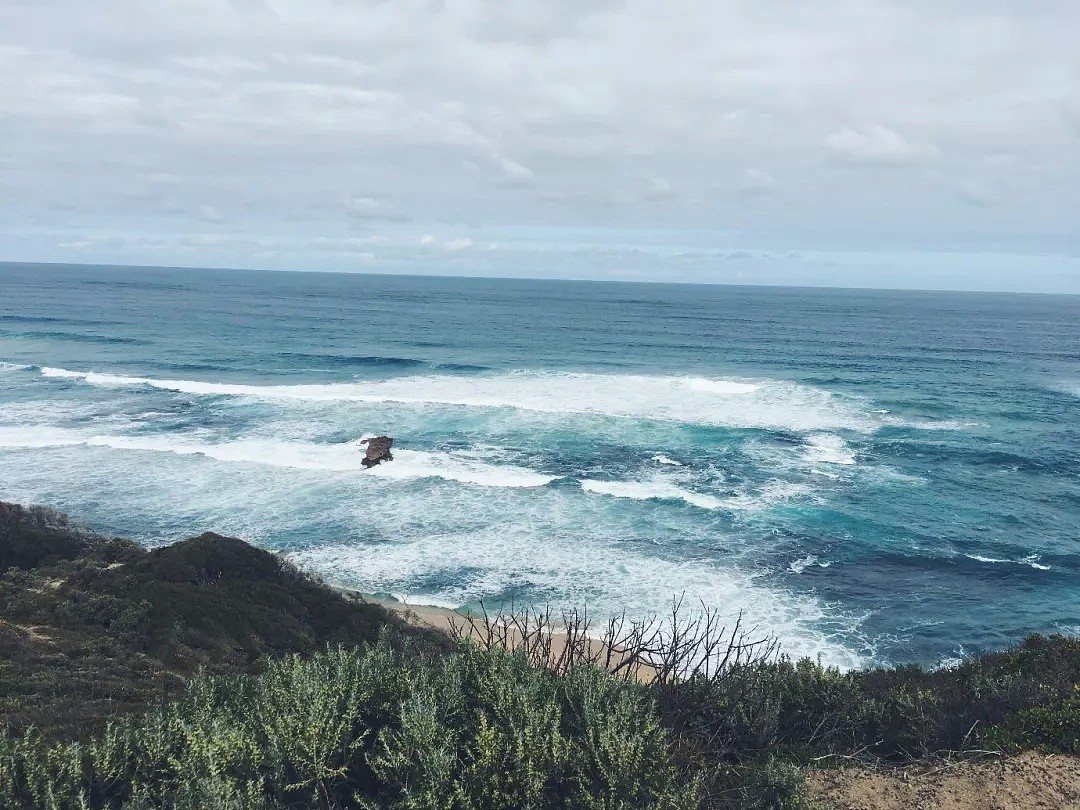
[(926, 143)]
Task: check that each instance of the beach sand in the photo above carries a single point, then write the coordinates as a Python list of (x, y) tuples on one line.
[(461, 623)]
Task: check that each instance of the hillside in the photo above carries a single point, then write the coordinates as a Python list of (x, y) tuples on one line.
[(91, 626)]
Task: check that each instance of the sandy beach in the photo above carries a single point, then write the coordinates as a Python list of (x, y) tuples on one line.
[(462, 623)]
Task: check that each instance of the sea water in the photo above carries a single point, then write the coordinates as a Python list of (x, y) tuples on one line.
[(869, 476)]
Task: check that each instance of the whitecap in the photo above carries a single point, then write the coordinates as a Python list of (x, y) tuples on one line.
[(828, 448), (720, 386), (763, 498), (1033, 561), (693, 400), (458, 467), (645, 491), (980, 558), (660, 458), (798, 566), (32, 436), (336, 458)]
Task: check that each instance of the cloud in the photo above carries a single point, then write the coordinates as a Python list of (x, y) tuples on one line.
[(292, 118), (877, 144), (1070, 114), (513, 172), (371, 208), (458, 243), (975, 194), (207, 213), (757, 181), (660, 189)]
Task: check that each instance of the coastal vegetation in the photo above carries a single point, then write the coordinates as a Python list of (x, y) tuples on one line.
[(210, 674)]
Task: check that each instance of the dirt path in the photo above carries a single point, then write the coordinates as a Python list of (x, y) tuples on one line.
[(1023, 782)]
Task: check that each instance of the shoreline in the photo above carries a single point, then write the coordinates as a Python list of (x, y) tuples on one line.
[(433, 616), (462, 623)]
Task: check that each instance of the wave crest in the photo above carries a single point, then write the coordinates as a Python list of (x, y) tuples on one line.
[(335, 458), (774, 404)]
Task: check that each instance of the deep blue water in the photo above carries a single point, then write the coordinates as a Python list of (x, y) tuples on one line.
[(869, 475)]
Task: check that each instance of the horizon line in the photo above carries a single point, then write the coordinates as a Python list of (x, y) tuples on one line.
[(471, 277)]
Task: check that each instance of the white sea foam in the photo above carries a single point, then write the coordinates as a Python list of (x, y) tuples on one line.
[(719, 386), (426, 601), (755, 500), (654, 490), (456, 467), (949, 662), (692, 400), (606, 577), (884, 475), (660, 458), (980, 558), (1031, 560), (798, 566), (31, 436), (828, 448), (408, 464), (772, 493)]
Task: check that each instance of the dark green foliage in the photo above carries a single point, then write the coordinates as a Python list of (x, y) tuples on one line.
[(380, 728), (36, 535), (99, 626), (770, 783), (738, 724), (1053, 728)]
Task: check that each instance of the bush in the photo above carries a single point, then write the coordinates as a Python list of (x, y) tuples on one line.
[(372, 728), (1055, 729), (882, 715), (35, 535)]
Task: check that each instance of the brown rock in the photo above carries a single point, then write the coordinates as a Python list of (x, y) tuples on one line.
[(378, 450)]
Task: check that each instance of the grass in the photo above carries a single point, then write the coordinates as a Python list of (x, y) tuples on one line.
[(212, 674)]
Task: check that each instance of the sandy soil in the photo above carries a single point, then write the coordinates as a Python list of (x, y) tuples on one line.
[(445, 619), (1023, 782), (439, 618)]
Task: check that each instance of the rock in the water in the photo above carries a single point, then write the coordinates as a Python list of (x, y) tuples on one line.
[(378, 449)]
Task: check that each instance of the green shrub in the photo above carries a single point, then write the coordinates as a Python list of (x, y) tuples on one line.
[(772, 783), (475, 730), (1053, 728)]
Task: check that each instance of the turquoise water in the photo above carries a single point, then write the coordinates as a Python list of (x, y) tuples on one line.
[(871, 476)]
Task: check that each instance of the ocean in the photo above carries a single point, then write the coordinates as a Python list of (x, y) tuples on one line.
[(869, 476)]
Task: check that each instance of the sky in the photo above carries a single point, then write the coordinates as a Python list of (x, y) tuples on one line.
[(887, 143)]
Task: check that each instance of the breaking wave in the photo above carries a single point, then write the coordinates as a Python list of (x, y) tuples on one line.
[(690, 400), (332, 458)]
